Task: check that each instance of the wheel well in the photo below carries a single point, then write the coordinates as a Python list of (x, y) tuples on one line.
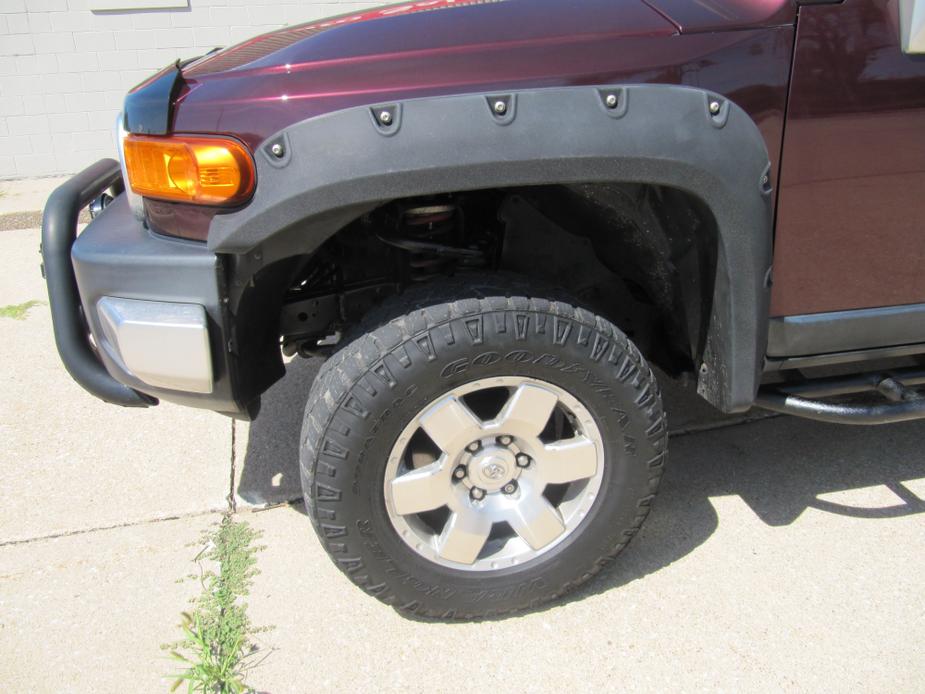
[(643, 256)]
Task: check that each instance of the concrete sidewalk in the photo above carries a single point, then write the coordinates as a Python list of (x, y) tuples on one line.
[(72, 463), (781, 554)]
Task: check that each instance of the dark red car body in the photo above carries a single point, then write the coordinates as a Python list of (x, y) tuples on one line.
[(271, 81), (853, 119)]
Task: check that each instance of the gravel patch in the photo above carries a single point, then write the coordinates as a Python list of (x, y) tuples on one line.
[(31, 220)]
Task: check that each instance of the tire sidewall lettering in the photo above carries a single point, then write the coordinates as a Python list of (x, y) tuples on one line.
[(461, 366)]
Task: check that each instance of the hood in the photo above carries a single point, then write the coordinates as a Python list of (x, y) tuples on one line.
[(434, 25), (441, 47)]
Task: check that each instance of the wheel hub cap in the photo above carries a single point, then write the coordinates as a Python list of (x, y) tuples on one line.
[(468, 504), (492, 469)]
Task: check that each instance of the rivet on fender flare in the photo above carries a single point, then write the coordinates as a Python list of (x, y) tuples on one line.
[(502, 107), (765, 183), (717, 110), (614, 101), (386, 118)]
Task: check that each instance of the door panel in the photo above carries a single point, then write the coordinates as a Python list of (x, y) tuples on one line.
[(852, 189)]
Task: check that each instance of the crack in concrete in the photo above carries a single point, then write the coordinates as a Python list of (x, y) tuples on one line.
[(232, 498), (115, 526)]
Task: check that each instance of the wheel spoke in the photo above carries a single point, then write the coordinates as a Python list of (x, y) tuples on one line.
[(463, 536), (536, 521), (450, 424), (527, 411), (423, 489), (567, 461)]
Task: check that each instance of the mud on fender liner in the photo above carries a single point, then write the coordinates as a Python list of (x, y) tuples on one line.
[(338, 165)]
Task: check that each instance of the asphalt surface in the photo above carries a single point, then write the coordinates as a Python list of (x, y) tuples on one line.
[(780, 555)]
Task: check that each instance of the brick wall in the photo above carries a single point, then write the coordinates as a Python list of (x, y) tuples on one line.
[(64, 68)]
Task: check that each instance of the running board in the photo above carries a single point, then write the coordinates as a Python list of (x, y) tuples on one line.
[(799, 400)]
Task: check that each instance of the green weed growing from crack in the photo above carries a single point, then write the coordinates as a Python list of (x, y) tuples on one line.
[(216, 648), (17, 311)]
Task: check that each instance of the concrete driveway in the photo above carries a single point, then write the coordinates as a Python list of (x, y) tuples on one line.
[(781, 554)]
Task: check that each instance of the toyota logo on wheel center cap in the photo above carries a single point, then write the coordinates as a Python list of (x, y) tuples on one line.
[(494, 469)]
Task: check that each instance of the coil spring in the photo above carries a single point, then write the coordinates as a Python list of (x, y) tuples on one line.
[(433, 223)]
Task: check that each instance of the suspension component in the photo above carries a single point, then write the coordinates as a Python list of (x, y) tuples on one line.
[(434, 224), (431, 235)]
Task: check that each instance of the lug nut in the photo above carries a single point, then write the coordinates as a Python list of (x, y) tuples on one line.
[(459, 472), (385, 117), (510, 487), (500, 107), (277, 150), (473, 447), (505, 440), (714, 107), (477, 494), (523, 460), (611, 101)]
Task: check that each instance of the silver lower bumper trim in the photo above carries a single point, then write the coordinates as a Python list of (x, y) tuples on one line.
[(163, 344)]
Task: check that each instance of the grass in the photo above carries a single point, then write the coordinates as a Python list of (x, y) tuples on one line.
[(17, 311), (217, 647)]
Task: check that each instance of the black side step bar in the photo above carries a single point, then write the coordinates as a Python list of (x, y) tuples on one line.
[(796, 399)]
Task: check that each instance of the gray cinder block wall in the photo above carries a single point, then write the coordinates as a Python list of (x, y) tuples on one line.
[(65, 65)]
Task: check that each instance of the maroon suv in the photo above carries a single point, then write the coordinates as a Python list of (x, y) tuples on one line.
[(490, 216)]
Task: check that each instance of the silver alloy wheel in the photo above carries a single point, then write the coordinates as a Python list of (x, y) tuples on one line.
[(481, 495)]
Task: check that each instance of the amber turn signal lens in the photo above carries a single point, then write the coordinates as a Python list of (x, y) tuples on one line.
[(201, 170)]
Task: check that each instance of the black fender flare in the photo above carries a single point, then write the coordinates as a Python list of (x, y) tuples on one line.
[(317, 175)]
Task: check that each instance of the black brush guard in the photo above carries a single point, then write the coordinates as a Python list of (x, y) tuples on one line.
[(59, 229)]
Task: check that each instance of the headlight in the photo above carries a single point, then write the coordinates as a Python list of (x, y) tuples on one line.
[(195, 169)]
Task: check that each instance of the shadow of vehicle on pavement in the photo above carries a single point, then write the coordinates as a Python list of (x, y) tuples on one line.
[(779, 466)]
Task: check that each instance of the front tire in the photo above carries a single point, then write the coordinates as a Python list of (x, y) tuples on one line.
[(478, 456)]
